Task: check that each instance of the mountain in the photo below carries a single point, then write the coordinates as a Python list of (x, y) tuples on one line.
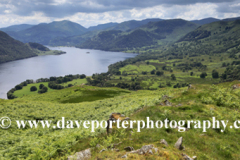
[(93, 31), (11, 49), (221, 37), (231, 19), (43, 33), (151, 34), (102, 26), (129, 25), (221, 33), (205, 21), (16, 28)]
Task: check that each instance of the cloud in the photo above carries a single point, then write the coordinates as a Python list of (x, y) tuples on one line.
[(93, 12), (62, 8)]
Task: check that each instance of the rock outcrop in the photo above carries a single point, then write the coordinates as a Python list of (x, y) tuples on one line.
[(128, 148), (163, 141), (236, 86), (178, 144), (113, 117), (83, 155), (166, 103)]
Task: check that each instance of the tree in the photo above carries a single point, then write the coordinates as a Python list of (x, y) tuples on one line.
[(43, 90), (118, 73), (168, 83), (70, 85), (203, 74), (18, 87), (153, 72), (159, 73), (41, 86), (215, 74), (224, 64), (144, 72), (164, 68), (33, 88), (84, 76), (191, 74), (173, 77)]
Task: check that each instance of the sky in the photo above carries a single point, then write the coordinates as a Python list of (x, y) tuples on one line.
[(94, 12)]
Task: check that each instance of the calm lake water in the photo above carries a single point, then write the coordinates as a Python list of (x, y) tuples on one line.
[(75, 61)]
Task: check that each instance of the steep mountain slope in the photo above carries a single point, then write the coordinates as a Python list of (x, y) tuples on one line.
[(205, 21), (217, 37), (11, 49), (43, 33), (153, 33)]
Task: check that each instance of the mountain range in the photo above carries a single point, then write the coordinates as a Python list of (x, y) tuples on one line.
[(152, 33), (126, 36), (72, 34)]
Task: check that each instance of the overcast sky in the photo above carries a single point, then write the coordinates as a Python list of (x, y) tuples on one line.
[(93, 12)]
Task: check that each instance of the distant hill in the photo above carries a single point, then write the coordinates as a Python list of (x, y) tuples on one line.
[(102, 26), (231, 19), (152, 33), (129, 25), (205, 20), (224, 31), (11, 49), (93, 31), (16, 28), (43, 33), (221, 37)]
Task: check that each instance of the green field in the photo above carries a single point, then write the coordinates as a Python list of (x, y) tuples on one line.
[(25, 91), (137, 69), (51, 52)]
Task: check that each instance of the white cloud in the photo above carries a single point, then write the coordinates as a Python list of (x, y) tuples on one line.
[(188, 12)]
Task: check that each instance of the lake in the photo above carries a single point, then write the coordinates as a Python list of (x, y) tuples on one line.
[(75, 61)]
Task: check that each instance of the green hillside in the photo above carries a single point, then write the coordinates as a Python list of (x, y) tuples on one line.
[(201, 103), (208, 55), (11, 49), (150, 35)]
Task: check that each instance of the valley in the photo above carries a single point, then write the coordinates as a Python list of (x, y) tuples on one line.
[(184, 70)]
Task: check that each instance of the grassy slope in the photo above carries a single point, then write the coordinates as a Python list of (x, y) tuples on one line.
[(11, 49), (32, 143), (153, 81), (210, 145), (82, 103), (26, 89)]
